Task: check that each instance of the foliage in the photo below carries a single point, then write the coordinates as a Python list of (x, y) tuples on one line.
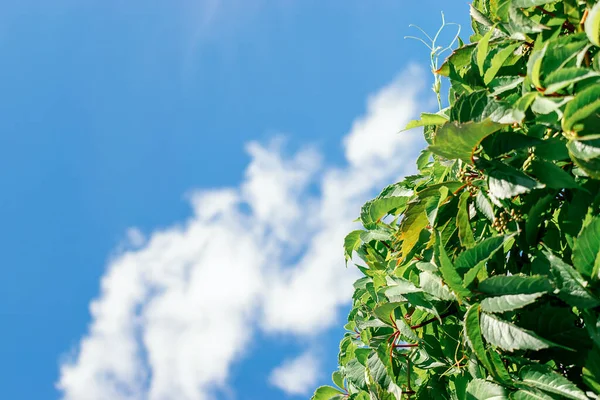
[(482, 272)]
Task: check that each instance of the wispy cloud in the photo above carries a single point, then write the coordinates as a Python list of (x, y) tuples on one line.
[(298, 376), (176, 312)]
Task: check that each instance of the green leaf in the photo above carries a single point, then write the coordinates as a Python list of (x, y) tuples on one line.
[(534, 66), (515, 284), (586, 154), (465, 232), (460, 58), (535, 218), (355, 373), (591, 371), (510, 337), (484, 206), (585, 104), (553, 176), (531, 3), (385, 312), (505, 181), (508, 302), (351, 243), (586, 252), (482, 51), (472, 332), (592, 25), (433, 285), (400, 286), (458, 141), (326, 393), (562, 78), (414, 221), (478, 255), (375, 234), (372, 211), (520, 23), (530, 394), (571, 285), (478, 389), (551, 382), (497, 61), (338, 379), (426, 119), (451, 277)]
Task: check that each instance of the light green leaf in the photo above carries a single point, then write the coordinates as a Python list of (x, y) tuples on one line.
[(326, 393), (458, 141), (338, 379), (592, 25), (482, 51), (472, 332), (586, 154), (560, 79), (385, 312), (586, 252), (433, 285), (497, 61), (484, 206), (520, 23), (552, 382), (465, 232), (375, 234), (515, 284), (534, 66), (414, 221), (505, 181), (351, 243), (531, 3), (510, 337), (372, 211), (585, 104), (426, 119), (571, 285), (530, 394), (406, 331), (478, 389), (451, 277), (508, 302), (400, 286)]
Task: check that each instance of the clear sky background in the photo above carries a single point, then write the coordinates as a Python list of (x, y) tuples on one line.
[(177, 178)]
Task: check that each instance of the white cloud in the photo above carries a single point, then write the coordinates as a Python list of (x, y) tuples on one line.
[(298, 376), (174, 314)]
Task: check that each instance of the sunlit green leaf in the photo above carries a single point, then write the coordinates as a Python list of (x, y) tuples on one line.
[(552, 382), (458, 141)]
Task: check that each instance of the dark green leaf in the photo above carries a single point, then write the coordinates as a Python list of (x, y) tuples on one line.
[(553, 176), (515, 284)]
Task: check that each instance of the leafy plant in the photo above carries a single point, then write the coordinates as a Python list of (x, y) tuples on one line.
[(482, 272)]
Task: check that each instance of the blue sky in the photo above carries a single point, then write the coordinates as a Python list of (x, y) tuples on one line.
[(192, 155)]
